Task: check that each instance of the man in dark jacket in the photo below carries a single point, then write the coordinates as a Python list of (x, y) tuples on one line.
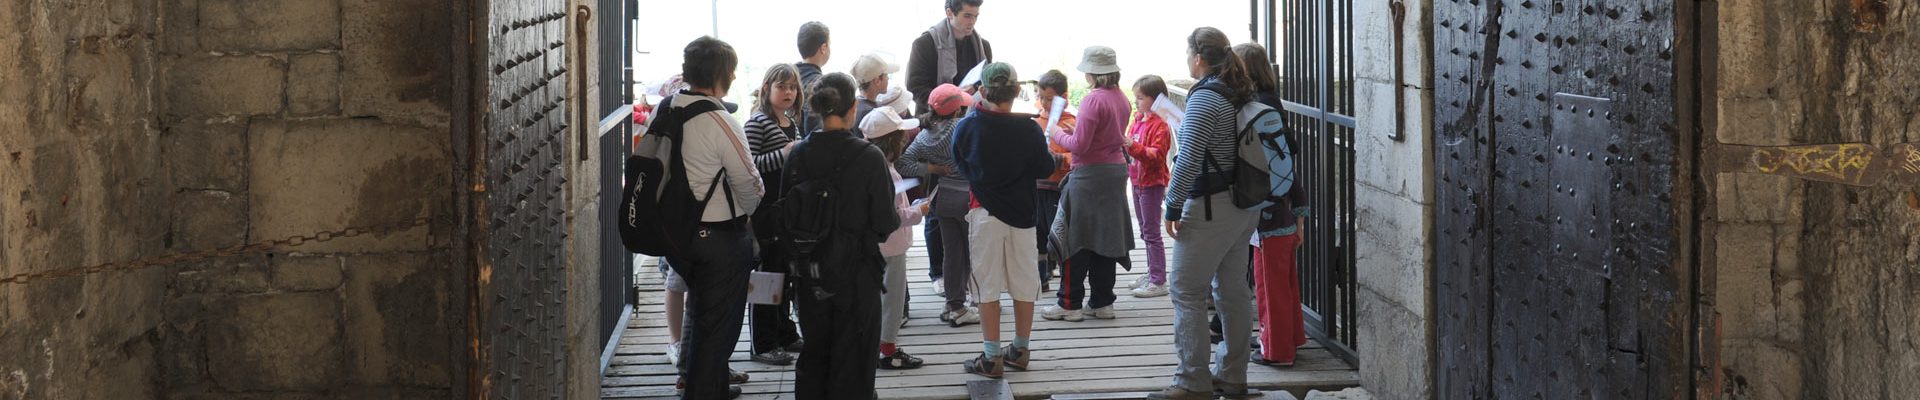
[(945, 52)]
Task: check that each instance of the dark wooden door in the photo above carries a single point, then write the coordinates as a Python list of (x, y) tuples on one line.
[(1555, 226)]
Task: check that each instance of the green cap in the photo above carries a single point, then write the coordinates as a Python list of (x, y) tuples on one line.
[(998, 75)]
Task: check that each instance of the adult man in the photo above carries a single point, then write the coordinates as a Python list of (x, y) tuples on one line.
[(945, 52)]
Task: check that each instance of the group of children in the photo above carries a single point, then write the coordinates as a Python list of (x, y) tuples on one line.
[(1014, 197)]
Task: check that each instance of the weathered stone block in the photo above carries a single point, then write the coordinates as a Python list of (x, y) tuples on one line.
[(276, 342), (397, 60), (1760, 122), (306, 273), (242, 274), (179, 21), (396, 320), (325, 175), (213, 85), (208, 219), (313, 86), (1759, 370), (1744, 254), (207, 155), (1394, 346), (1392, 247), (1749, 40), (267, 25), (1758, 198), (1400, 167)]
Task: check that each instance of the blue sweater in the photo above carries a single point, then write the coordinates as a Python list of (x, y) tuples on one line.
[(1002, 156)]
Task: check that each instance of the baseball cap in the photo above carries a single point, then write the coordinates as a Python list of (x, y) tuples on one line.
[(998, 75), (947, 99), (870, 66), (880, 122)]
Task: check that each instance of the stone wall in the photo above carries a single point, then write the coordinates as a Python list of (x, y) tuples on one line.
[(1813, 286), (1392, 201), (141, 128)]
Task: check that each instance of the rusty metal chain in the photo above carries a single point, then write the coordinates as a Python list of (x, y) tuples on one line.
[(235, 250)]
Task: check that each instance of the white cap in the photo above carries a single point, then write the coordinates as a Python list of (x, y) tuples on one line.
[(870, 66), (899, 99), (880, 122)]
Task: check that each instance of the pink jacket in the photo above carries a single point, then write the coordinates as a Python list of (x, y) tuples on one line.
[(897, 243)]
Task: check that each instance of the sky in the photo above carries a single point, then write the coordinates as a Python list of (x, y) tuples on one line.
[(1033, 35)]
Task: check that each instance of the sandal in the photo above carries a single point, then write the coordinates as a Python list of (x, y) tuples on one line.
[(900, 360)]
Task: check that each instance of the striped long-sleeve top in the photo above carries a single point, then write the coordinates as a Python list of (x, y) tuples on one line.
[(1212, 120), (767, 138)]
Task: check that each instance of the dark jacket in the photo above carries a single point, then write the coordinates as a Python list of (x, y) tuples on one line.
[(922, 67), (809, 121), (866, 209), (1002, 155)]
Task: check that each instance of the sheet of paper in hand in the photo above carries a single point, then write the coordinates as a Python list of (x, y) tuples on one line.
[(973, 75), (765, 287)]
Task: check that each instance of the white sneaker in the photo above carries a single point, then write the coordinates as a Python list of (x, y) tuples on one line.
[(1055, 313), (1137, 282), (962, 317), (940, 287), (1101, 313), (673, 354), (1150, 290)]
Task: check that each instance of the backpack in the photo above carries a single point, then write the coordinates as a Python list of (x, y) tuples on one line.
[(808, 216), (1263, 161), (658, 212)]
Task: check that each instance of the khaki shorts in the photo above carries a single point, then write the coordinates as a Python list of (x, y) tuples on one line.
[(1003, 259)]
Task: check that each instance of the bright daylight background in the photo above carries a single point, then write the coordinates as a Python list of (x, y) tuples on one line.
[(1033, 35)]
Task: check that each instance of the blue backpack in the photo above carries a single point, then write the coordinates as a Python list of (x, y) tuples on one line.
[(1263, 147)]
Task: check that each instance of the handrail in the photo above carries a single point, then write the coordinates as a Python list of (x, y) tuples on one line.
[(613, 119)]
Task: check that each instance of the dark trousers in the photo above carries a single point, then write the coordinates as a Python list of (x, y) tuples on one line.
[(772, 326), (959, 261), (931, 229), (716, 274), (839, 360), (1048, 207), (1087, 272)]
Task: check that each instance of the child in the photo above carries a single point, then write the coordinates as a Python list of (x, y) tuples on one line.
[(1147, 142), (772, 132), (1001, 155), (888, 131), (1052, 84), (931, 156)]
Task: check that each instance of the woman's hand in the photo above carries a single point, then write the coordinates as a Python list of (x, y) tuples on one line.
[(1173, 229)]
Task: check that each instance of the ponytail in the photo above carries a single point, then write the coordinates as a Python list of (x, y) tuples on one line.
[(1213, 48)]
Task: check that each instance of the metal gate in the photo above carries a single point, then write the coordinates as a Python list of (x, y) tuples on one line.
[(521, 289), (1314, 47), (1555, 227)]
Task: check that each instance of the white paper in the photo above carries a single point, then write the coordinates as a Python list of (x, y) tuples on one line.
[(765, 287), (1165, 108), (973, 75), (905, 184), (1053, 114)]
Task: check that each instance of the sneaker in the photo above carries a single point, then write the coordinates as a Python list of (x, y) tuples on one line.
[(1232, 391), (900, 360), (1141, 281), (673, 354), (961, 317), (736, 377), (1015, 357), (776, 357), (1259, 357), (1056, 313), (983, 366), (1102, 313), (1178, 393), (680, 388), (796, 346), (1150, 289), (939, 286)]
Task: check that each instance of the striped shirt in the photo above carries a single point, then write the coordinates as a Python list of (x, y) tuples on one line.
[(933, 146), (1211, 123), (767, 138)]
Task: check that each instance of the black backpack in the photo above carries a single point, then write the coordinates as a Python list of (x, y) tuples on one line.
[(658, 213), (809, 213)]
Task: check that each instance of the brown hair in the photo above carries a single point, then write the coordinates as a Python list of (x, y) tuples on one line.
[(1150, 85), (1254, 57), (1213, 48), (708, 63), (779, 73)]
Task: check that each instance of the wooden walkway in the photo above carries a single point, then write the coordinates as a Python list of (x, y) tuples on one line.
[(1133, 353)]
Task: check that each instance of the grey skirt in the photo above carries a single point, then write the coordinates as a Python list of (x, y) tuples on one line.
[(1093, 215)]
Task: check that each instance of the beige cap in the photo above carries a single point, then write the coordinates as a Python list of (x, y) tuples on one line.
[(1098, 60), (870, 66)]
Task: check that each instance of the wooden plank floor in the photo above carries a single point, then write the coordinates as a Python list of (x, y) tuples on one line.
[(1133, 353)]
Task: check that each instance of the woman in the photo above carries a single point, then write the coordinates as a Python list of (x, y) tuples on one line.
[(1276, 283), (1091, 230), (771, 133), (1209, 233), (840, 309)]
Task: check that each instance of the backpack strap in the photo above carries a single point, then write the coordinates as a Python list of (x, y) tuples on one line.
[(678, 117)]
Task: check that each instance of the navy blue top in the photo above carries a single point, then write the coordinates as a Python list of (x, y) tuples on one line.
[(1002, 156)]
